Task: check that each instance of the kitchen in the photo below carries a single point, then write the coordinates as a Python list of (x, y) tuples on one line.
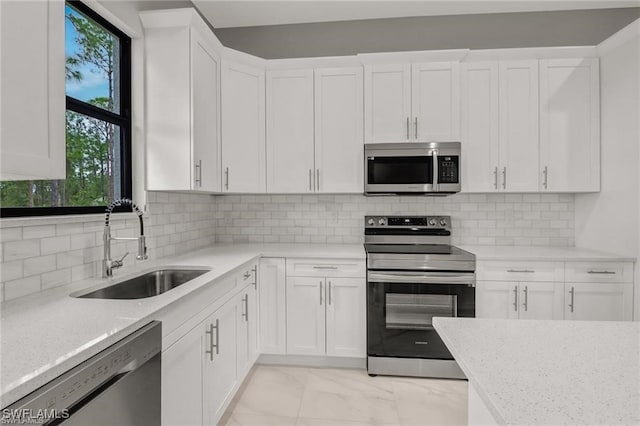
[(548, 207)]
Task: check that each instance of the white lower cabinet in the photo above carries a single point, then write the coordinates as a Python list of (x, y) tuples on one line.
[(326, 315), (183, 379), (599, 301), (524, 300), (204, 368), (594, 291), (273, 310)]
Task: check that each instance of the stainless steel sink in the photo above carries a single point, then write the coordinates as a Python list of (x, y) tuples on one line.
[(149, 284)]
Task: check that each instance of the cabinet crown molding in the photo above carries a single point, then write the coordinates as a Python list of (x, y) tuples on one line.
[(452, 55)]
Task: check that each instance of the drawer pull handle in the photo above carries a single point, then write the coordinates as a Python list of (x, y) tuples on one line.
[(602, 272), (572, 295), (526, 298), (528, 271), (325, 267), (515, 298)]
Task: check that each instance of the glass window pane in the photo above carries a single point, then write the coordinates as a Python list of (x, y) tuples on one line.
[(93, 170), (92, 65)]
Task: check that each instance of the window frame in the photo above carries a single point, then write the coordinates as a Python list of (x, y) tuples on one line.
[(123, 120)]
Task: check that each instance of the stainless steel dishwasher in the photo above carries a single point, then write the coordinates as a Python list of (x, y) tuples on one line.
[(118, 386)]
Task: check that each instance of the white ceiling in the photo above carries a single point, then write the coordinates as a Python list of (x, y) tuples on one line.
[(244, 13)]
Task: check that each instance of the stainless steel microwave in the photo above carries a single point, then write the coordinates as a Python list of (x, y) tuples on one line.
[(412, 168)]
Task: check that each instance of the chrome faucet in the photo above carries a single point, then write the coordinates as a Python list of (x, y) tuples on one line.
[(108, 265)]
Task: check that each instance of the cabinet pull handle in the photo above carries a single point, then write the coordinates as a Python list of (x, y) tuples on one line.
[(526, 298), (330, 293), (504, 177), (324, 267), (255, 277), (310, 178), (515, 298), (407, 128), (320, 288), (211, 344), (528, 271), (317, 179), (545, 172), (199, 173), (572, 293), (246, 275), (245, 314), (602, 272), (495, 177), (415, 126), (226, 178)]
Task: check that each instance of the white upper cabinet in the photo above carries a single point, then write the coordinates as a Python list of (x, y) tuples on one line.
[(518, 169), (435, 101), (182, 76), (32, 90), (290, 134), (480, 126), (339, 143), (419, 102), (570, 125), (387, 103), (243, 130)]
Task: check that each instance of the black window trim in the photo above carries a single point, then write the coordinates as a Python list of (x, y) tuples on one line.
[(123, 120)]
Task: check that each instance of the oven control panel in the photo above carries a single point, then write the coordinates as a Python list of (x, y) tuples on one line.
[(407, 222)]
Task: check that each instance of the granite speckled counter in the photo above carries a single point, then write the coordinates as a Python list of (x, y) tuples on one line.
[(549, 372), (46, 334)]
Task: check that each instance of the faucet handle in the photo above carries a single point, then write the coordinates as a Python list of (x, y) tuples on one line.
[(119, 263)]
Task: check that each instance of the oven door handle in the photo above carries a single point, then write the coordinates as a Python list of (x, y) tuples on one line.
[(468, 278)]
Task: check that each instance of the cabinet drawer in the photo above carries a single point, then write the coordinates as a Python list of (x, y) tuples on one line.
[(591, 272), (326, 267), (520, 271)]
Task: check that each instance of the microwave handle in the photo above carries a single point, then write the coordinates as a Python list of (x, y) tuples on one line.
[(435, 170)]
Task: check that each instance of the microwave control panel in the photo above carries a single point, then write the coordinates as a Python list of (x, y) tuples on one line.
[(448, 170)]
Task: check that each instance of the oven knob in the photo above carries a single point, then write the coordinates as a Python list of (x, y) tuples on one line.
[(382, 221), (371, 222), (443, 222), (432, 222)]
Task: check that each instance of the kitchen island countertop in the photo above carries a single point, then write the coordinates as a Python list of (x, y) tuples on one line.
[(549, 372)]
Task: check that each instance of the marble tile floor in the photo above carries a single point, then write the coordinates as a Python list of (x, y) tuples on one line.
[(288, 396)]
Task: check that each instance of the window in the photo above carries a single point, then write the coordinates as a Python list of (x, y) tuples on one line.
[(98, 124)]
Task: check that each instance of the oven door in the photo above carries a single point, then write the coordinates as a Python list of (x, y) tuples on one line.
[(401, 306)]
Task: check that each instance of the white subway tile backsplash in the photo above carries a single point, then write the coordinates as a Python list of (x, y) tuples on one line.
[(491, 219), (23, 249), (21, 287), (55, 244)]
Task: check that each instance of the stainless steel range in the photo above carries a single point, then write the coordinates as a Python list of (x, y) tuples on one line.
[(413, 275)]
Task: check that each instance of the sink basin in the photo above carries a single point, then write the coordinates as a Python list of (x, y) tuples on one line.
[(149, 284)]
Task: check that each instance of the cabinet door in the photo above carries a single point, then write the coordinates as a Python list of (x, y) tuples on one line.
[(387, 103), (598, 301), (570, 125), (480, 127), (183, 379), (435, 95), (272, 289), (220, 369), (519, 149), (253, 321), (305, 316), (32, 87), (290, 166), (497, 299), (243, 133), (540, 300), (346, 317), (205, 93), (339, 143)]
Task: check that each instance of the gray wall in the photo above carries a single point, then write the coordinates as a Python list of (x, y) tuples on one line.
[(483, 31)]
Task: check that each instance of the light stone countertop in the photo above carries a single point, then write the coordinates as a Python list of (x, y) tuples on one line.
[(549, 254), (533, 253), (550, 372), (46, 334)]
